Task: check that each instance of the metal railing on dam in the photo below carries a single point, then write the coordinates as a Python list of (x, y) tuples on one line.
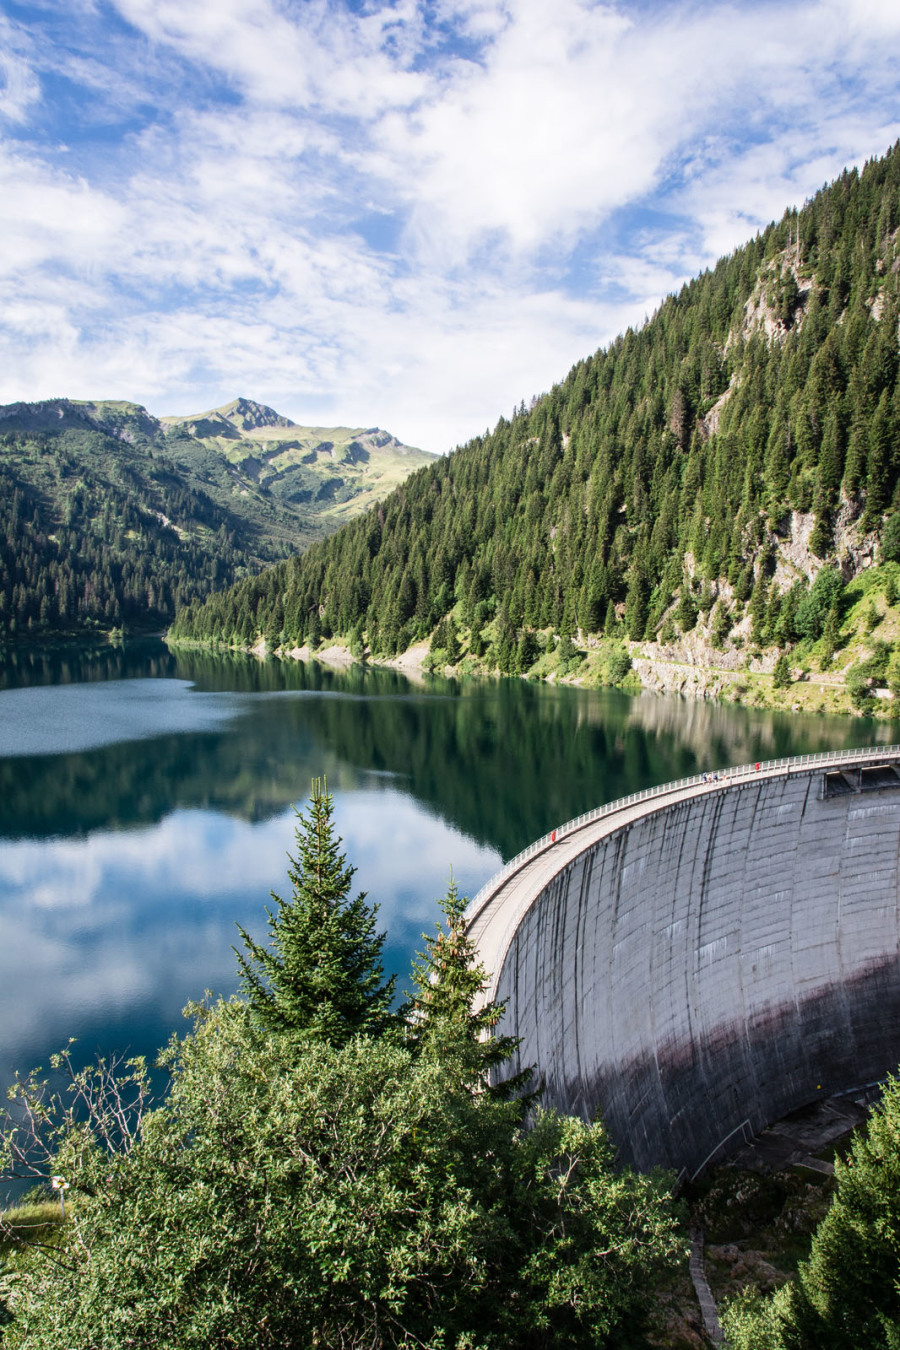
[(659, 956), (713, 779)]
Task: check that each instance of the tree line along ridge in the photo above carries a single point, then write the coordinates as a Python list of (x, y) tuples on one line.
[(709, 464)]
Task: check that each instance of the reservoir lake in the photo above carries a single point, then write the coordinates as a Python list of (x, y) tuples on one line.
[(146, 807)]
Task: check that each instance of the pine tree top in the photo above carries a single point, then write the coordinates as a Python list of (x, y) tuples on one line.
[(322, 970), (448, 1004)]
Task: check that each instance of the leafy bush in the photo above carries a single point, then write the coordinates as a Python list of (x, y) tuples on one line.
[(356, 644), (568, 656), (445, 643), (5, 1314), (781, 675), (686, 613), (721, 623), (824, 596), (320, 1174), (618, 664), (892, 673), (871, 617), (527, 650), (859, 689), (890, 540), (306, 1194)]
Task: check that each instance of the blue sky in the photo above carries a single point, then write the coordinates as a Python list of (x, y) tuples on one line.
[(411, 214)]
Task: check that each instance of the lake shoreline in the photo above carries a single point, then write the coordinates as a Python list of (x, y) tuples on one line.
[(146, 806), (654, 668)]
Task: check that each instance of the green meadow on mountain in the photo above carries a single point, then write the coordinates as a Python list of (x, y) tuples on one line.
[(109, 517), (716, 477)]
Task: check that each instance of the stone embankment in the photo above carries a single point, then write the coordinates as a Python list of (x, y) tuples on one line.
[(679, 677)]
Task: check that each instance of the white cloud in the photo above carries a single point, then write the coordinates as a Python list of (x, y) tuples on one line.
[(314, 55), (403, 215), (19, 86), (552, 132), (46, 215)]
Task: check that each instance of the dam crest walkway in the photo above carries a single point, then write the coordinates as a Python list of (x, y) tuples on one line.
[(495, 912)]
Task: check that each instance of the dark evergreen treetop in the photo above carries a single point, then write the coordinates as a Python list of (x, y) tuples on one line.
[(768, 385), (448, 1003), (845, 1294), (321, 971), (325, 1186)]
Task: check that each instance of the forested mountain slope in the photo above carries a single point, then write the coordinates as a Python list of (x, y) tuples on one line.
[(111, 517), (704, 466)]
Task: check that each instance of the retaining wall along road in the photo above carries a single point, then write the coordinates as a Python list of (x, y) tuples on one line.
[(700, 960)]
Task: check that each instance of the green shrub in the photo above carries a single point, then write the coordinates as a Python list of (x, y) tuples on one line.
[(721, 623), (825, 596), (845, 1296), (857, 683), (618, 664), (890, 540), (324, 1172), (892, 673), (871, 617), (686, 613), (781, 675)]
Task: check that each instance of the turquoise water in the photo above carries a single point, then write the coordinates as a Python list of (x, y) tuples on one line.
[(146, 807)]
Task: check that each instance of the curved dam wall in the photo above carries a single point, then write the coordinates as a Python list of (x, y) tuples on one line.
[(699, 964)]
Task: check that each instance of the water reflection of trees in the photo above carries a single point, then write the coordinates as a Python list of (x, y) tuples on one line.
[(502, 761), (82, 662)]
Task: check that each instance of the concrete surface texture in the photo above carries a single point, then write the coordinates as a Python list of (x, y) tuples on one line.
[(696, 964)]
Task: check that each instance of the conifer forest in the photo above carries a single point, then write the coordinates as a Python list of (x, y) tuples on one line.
[(665, 479)]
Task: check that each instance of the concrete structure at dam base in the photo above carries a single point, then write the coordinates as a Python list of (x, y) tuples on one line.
[(700, 960)]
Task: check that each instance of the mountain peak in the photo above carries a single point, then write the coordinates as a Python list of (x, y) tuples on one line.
[(247, 415)]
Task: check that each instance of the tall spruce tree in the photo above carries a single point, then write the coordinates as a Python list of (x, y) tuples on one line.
[(322, 970), (846, 1294), (448, 1003)]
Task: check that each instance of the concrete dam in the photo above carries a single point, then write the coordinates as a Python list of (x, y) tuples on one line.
[(697, 961)]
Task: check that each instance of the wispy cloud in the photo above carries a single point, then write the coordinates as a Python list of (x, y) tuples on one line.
[(414, 213), (19, 86)]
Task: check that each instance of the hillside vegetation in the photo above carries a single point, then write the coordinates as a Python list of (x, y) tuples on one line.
[(324, 475), (112, 517), (325, 1169), (696, 477)]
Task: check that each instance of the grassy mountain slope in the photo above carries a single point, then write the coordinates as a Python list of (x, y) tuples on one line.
[(697, 476), (334, 472), (110, 516)]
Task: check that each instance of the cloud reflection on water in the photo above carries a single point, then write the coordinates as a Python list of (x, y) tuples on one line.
[(109, 936), (123, 867)]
